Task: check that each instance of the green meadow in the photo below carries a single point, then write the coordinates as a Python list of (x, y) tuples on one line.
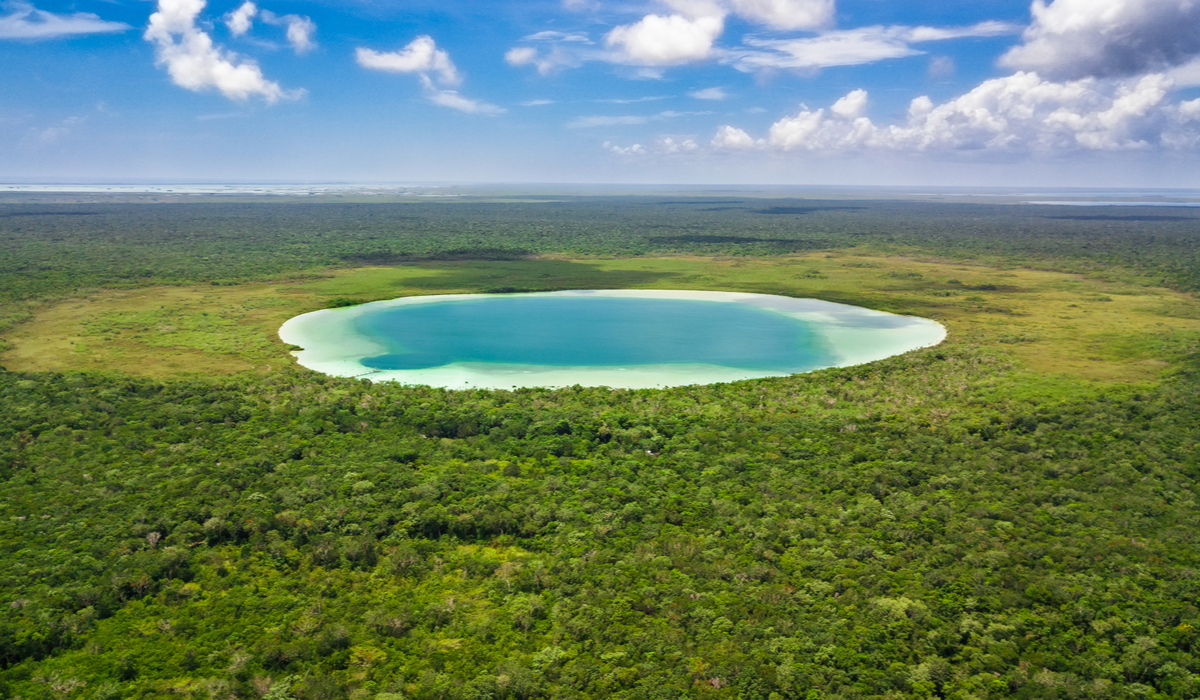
[(1051, 322)]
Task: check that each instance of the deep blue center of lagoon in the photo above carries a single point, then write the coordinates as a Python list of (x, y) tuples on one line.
[(584, 331)]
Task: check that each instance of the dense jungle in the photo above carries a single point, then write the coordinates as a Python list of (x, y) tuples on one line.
[(184, 512)]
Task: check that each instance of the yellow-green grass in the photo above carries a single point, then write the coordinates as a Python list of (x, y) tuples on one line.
[(1050, 322)]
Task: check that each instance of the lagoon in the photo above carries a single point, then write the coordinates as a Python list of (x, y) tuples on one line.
[(617, 338)]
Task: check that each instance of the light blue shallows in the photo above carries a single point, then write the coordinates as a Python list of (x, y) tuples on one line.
[(619, 338)]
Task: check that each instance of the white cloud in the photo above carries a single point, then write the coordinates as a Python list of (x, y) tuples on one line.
[(659, 40), (562, 37), (852, 47), (27, 22), (1187, 75), (698, 8), (553, 60), (635, 150), (240, 20), (732, 138), (299, 30), (841, 48), (589, 122), (453, 100), (537, 103), (421, 57), (195, 63), (1021, 112), (1081, 38), (852, 105), (689, 34), (712, 93), (989, 28), (786, 14), (520, 55), (666, 146), (669, 146), (433, 67), (683, 36), (815, 131), (567, 50)]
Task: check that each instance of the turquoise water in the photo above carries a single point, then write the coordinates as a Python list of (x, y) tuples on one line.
[(630, 338), (590, 331)]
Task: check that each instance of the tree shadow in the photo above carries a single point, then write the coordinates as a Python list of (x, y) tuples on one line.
[(1134, 217), (497, 277)]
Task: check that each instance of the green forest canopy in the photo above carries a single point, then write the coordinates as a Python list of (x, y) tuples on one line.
[(948, 523)]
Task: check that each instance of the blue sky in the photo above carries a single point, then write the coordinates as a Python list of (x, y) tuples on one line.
[(886, 92)]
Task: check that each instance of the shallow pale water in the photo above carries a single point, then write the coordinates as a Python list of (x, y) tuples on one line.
[(619, 338)]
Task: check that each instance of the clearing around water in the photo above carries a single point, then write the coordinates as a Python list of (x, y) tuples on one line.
[(1050, 322)]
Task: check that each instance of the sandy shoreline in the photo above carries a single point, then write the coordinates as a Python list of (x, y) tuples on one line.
[(332, 345)]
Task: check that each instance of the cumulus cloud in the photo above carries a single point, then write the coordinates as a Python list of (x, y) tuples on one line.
[(437, 73), (1079, 38), (659, 40), (852, 105), (814, 130), (852, 47), (240, 20), (635, 150), (520, 55), (786, 14), (195, 63), (421, 57), (713, 93), (24, 21), (1022, 112), (669, 145), (689, 32), (733, 138), (666, 146), (299, 30)]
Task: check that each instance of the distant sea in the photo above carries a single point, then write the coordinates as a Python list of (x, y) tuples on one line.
[(1016, 195), (1106, 203)]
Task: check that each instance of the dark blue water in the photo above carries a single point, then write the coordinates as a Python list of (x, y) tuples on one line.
[(590, 331)]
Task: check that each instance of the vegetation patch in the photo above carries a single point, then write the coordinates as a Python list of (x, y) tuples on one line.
[(1051, 322), (1011, 514)]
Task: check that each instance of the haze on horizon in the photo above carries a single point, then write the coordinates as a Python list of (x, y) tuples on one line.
[(1087, 93)]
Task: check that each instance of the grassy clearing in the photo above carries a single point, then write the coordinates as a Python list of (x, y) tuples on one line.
[(1050, 322)]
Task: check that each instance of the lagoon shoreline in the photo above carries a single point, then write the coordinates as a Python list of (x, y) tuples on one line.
[(333, 344)]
